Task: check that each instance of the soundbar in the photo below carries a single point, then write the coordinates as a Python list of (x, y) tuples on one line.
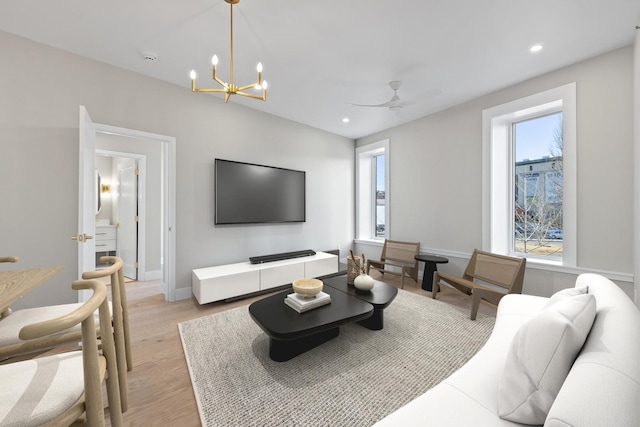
[(280, 257)]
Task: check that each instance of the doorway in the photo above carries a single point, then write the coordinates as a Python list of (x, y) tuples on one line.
[(88, 133), (124, 206)]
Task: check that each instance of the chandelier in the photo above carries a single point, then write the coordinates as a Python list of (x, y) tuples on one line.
[(231, 88)]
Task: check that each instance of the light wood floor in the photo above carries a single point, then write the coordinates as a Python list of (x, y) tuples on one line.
[(160, 390)]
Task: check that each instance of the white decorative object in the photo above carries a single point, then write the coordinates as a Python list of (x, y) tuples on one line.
[(363, 282), (303, 304)]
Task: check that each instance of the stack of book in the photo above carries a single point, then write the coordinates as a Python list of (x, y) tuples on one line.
[(302, 304)]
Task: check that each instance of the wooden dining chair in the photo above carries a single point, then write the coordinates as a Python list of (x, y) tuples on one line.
[(12, 347), (65, 388), (120, 319), (4, 259), (399, 255), (501, 275)]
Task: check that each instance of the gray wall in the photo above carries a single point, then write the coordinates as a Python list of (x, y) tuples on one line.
[(42, 89), (436, 173), (435, 167)]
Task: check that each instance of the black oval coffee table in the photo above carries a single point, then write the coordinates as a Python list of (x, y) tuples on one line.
[(291, 333), (379, 297)]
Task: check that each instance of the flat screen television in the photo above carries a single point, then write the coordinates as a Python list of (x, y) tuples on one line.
[(247, 193)]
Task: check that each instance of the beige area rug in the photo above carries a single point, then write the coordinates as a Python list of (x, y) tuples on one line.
[(353, 380)]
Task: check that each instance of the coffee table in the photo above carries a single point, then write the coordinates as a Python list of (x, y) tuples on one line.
[(380, 296), (291, 333)]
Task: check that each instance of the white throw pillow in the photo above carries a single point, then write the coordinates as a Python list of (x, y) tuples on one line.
[(540, 358), (564, 294)]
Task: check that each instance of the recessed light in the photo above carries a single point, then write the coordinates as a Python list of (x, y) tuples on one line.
[(345, 120), (535, 48)]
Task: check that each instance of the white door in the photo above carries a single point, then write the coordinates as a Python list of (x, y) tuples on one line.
[(128, 218), (87, 199)]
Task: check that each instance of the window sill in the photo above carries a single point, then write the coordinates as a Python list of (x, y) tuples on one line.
[(372, 242), (540, 261)]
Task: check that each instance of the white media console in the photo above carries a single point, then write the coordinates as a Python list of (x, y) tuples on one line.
[(228, 281)]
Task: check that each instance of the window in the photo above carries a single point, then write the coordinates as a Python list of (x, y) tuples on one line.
[(529, 177), (372, 191), (380, 187), (537, 192)]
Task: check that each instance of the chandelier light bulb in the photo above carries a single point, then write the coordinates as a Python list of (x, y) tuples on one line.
[(193, 74), (264, 85), (214, 60), (259, 67)]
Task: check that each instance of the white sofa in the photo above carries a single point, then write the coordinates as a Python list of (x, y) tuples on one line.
[(602, 388)]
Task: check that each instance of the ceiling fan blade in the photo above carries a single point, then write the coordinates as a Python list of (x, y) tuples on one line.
[(393, 104), (385, 104)]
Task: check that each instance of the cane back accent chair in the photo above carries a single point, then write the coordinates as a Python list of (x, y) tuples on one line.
[(504, 272), (400, 255)]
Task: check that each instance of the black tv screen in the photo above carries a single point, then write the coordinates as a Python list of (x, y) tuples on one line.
[(247, 193)]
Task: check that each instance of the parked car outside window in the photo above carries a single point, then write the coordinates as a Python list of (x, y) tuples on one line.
[(554, 234)]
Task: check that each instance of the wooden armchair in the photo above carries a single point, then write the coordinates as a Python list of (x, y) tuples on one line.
[(64, 388), (12, 347), (504, 272), (400, 255)]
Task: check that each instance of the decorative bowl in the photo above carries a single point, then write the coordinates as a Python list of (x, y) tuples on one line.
[(307, 287)]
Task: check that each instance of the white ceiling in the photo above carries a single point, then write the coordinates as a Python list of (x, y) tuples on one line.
[(320, 55)]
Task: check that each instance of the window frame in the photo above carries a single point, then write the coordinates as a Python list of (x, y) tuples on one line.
[(366, 190), (498, 170)]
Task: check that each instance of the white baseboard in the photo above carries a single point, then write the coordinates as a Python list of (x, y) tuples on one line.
[(152, 275), (183, 293)]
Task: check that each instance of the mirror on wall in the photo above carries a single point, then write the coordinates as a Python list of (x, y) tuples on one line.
[(98, 193)]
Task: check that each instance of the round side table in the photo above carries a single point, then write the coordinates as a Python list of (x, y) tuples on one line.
[(430, 266)]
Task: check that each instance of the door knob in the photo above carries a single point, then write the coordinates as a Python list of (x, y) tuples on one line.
[(81, 237)]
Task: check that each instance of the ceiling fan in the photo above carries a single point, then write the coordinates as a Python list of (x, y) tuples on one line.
[(393, 104)]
